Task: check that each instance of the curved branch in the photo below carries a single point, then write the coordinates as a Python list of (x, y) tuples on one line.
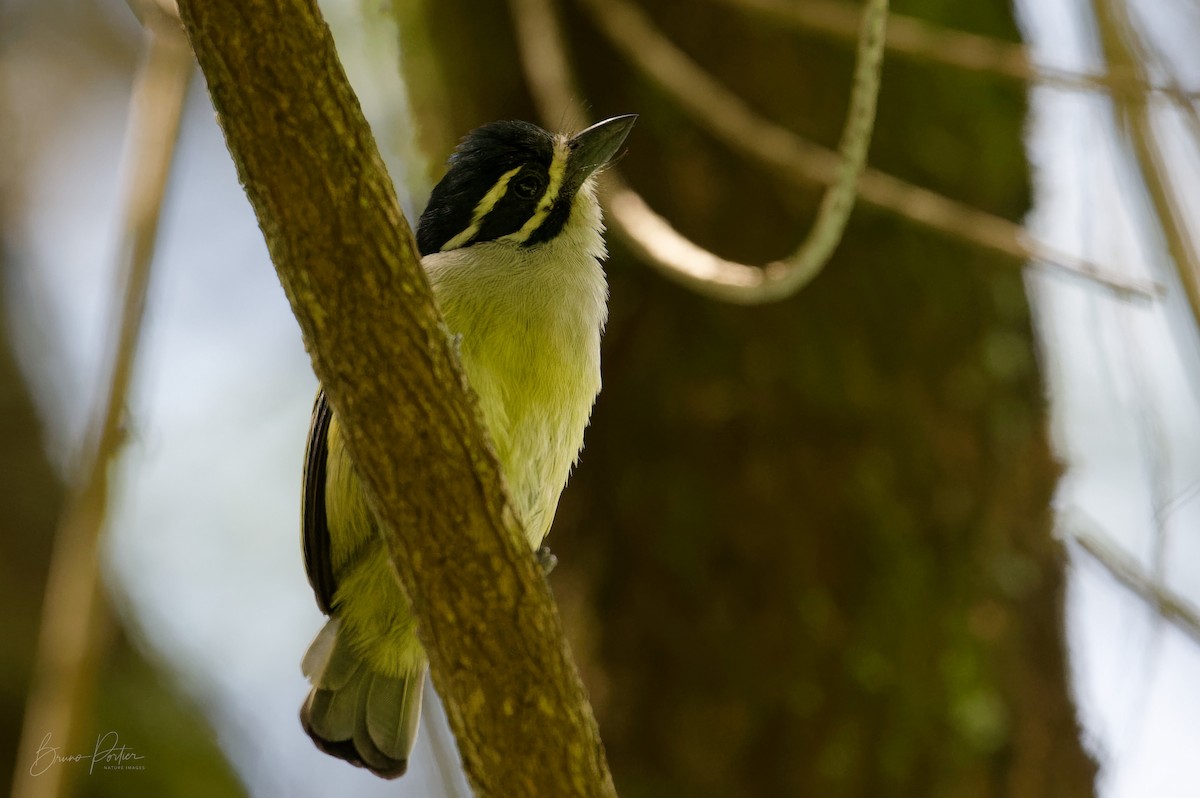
[(544, 59), (627, 27), (347, 261), (731, 120)]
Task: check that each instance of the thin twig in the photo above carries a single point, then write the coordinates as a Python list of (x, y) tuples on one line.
[(75, 615), (1169, 605), (924, 40), (1123, 48), (730, 119)]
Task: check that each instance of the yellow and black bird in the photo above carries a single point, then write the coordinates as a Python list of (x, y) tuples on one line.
[(512, 241)]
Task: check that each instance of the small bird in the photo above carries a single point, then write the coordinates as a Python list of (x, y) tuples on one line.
[(512, 241)]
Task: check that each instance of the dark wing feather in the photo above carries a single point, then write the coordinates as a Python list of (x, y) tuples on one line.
[(315, 525)]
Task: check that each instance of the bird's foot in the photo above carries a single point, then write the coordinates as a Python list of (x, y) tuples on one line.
[(546, 559)]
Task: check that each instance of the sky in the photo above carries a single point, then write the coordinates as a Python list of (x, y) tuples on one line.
[(1122, 382), (203, 545)]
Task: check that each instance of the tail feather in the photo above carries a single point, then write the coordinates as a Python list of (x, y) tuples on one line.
[(367, 718), (393, 710)]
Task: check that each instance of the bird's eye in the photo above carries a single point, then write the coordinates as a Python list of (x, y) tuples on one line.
[(528, 187)]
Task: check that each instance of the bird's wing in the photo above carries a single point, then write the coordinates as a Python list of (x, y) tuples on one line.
[(315, 529)]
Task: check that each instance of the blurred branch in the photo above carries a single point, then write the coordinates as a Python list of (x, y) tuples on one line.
[(628, 28), (927, 41), (347, 261), (1172, 607), (1124, 49), (75, 614), (432, 127), (650, 235), (732, 121)]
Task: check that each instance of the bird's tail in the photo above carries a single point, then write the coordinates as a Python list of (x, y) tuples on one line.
[(366, 718)]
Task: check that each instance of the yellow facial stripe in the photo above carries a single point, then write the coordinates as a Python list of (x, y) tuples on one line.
[(558, 168), (482, 209)]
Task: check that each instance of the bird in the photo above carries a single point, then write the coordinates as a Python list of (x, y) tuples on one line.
[(512, 242)]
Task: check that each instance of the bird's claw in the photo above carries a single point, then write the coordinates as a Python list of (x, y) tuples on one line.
[(546, 559)]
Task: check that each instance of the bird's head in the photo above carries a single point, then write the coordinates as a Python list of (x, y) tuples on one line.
[(514, 182)]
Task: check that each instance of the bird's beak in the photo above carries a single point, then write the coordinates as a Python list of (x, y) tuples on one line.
[(595, 147)]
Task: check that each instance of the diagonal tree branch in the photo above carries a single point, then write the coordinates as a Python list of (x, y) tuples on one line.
[(347, 261), (1173, 608)]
